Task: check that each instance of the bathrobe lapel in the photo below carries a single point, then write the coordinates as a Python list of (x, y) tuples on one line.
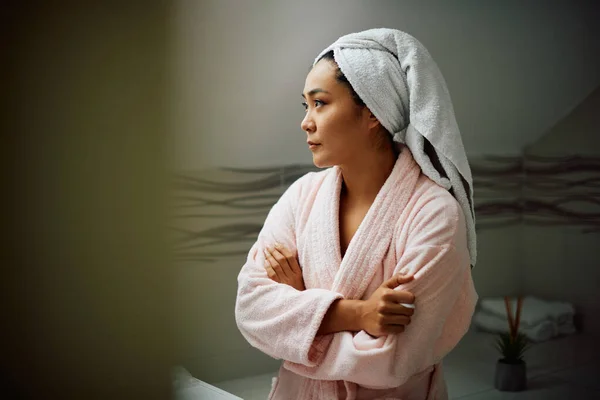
[(352, 274)]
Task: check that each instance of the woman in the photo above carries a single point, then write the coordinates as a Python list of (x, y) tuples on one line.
[(360, 277)]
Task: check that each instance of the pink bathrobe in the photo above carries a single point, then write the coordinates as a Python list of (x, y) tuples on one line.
[(414, 226)]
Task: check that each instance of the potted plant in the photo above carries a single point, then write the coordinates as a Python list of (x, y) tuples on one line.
[(511, 369)]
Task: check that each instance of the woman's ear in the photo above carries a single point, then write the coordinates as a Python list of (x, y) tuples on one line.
[(373, 121)]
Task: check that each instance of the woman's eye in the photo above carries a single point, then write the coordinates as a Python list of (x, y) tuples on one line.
[(316, 102)]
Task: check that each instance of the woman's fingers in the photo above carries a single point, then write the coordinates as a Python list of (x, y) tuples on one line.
[(396, 309), (399, 296), (291, 258), (394, 329), (270, 266), (271, 272), (396, 320), (278, 262), (397, 280), (284, 263)]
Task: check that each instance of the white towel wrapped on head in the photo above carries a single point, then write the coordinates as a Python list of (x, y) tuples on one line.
[(400, 83)]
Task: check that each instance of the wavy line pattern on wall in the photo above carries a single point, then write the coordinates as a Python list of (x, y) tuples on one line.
[(218, 213)]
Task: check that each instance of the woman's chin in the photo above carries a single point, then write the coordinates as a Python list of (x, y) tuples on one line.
[(320, 162)]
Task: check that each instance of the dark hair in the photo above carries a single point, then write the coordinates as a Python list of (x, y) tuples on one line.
[(339, 75)]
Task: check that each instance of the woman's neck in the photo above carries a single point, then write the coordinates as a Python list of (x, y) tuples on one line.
[(363, 179)]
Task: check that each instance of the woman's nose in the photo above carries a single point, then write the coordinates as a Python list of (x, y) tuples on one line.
[(307, 124)]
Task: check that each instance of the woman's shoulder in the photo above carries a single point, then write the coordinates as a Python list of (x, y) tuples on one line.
[(431, 195), (435, 212)]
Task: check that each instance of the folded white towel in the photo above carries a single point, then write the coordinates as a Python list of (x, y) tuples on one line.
[(533, 311), (567, 328), (543, 331), (396, 77), (566, 324), (562, 312)]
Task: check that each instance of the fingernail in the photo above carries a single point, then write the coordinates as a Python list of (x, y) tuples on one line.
[(278, 245)]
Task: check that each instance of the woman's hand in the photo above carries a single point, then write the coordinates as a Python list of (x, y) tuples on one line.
[(282, 267), (383, 314)]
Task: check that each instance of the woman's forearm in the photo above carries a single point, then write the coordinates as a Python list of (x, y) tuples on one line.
[(342, 315)]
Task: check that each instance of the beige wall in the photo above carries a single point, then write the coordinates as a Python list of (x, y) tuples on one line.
[(576, 134), (563, 262), (513, 69)]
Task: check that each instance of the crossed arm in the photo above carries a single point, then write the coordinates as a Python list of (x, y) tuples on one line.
[(321, 335), (386, 312)]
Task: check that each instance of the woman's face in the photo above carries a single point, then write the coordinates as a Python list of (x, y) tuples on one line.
[(334, 123)]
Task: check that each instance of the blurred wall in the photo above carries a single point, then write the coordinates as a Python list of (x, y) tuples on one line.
[(86, 284), (562, 225)]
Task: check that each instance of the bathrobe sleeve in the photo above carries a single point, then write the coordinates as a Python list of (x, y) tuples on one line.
[(436, 253), (276, 318)]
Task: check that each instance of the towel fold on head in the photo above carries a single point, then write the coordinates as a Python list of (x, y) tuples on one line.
[(399, 82)]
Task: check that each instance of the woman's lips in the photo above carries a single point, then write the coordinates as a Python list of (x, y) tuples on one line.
[(313, 145)]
